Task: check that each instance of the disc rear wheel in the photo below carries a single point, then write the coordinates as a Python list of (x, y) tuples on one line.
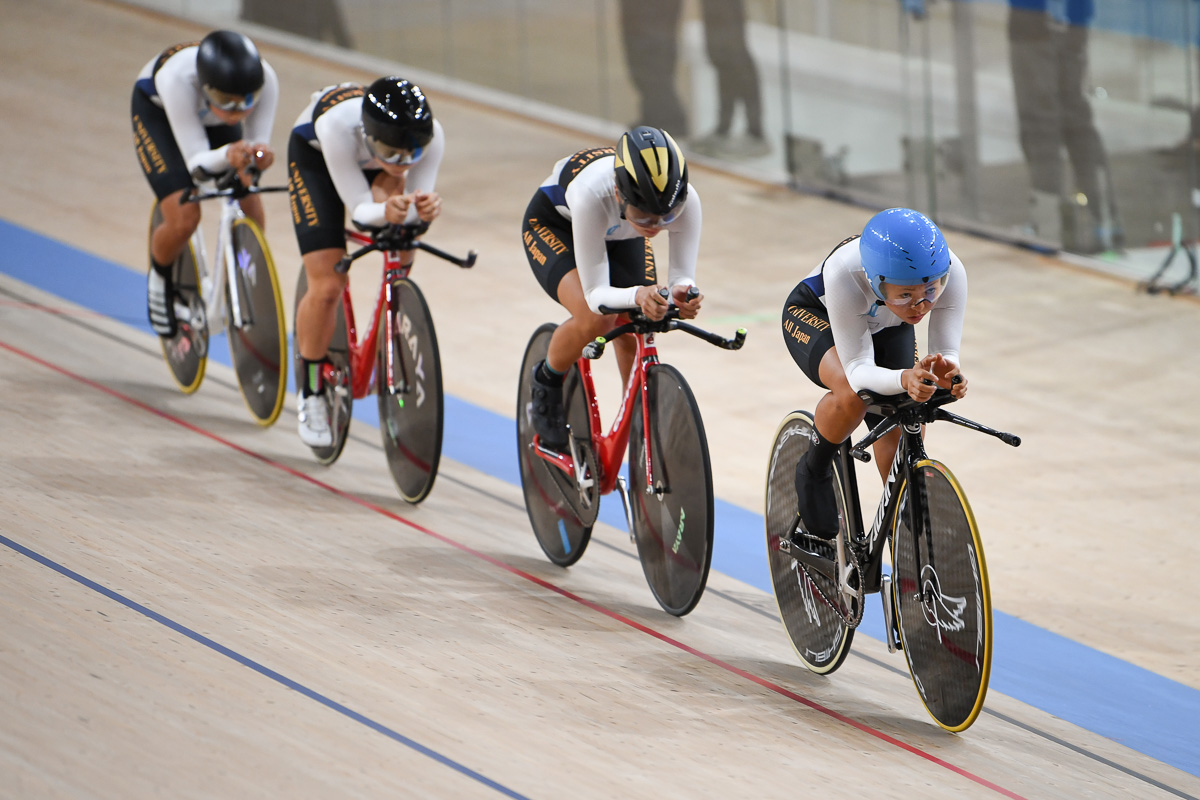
[(943, 602), (339, 398), (410, 407), (673, 512), (259, 344), (816, 630), (186, 353), (561, 508)]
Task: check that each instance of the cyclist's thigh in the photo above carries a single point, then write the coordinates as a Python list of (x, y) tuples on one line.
[(318, 214), (324, 282), (157, 152), (807, 331), (549, 244)]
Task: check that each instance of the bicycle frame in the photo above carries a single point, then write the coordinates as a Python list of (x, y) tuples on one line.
[(212, 285), (362, 352), (910, 451), (610, 447)]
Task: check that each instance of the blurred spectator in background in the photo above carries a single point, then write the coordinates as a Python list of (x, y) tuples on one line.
[(650, 32), (315, 19), (1048, 55), (737, 81)]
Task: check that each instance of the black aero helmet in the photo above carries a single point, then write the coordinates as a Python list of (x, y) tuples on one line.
[(651, 171), (229, 62), (396, 113)]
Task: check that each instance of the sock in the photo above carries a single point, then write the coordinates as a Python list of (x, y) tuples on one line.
[(820, 455), (312, 377), (549, 375), (159, 268)]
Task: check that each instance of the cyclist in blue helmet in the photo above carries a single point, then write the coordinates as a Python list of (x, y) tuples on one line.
[(849, 326)]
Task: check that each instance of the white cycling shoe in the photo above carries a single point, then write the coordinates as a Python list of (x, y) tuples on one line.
[(314, 422)]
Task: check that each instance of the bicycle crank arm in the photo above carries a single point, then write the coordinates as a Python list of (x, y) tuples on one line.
[(191, 315), (825, 566), (553, 457)]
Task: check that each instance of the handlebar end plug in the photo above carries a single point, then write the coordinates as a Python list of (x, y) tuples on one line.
[(594, 349)]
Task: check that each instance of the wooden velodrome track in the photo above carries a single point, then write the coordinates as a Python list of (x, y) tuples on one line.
[(191, 607)]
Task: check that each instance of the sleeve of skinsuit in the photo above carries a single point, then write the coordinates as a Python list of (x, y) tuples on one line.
[(946, 319), (685, 242), (849, 309), (422, 177), (260, 122), (591, 216), (179, 90), (342, 145)]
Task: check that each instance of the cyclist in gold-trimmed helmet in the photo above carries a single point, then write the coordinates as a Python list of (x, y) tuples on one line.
[(587, 235)]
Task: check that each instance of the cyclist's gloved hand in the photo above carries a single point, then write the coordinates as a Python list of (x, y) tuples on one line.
[(688, 308), (650, 299)]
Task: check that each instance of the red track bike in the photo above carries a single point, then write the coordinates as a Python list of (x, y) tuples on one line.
[(669, 501), (397, 357)]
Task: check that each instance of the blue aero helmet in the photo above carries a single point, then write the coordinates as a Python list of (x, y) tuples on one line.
[(904, 248)]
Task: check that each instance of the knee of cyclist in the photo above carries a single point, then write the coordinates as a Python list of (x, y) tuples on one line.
[(326, 292), (849, 405)]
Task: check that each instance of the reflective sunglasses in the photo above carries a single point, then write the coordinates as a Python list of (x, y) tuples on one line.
[(228, 102), (393, 155), (644, 220)]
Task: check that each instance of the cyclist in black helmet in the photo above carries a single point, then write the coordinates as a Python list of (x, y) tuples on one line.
[(208, 105), (373, 152), (587, 234)]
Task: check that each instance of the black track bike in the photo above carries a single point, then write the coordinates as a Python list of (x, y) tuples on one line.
[(936, 600)]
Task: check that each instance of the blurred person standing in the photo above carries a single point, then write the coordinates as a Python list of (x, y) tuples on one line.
[(1048, 42), (650, 33), (737, 82)]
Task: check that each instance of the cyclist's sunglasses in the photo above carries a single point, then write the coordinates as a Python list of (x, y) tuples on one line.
[(644, 220), (393, 155), (229, 102), (913, 296)]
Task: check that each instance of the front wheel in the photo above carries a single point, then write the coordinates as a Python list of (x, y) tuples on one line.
[(186, 353), (943, 603), (560, 511), (673, 509), (410, 403), (816, 630), (339, 397), (259, 345)]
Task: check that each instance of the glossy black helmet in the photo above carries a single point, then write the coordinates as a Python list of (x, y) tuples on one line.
[(395, 113), (228, 62), (651, 171)]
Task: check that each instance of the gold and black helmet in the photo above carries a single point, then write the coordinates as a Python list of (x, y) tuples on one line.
[(651, 171)]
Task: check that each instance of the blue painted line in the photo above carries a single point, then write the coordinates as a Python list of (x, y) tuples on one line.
[(566, 540), (259, 668), (1108, 696)]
